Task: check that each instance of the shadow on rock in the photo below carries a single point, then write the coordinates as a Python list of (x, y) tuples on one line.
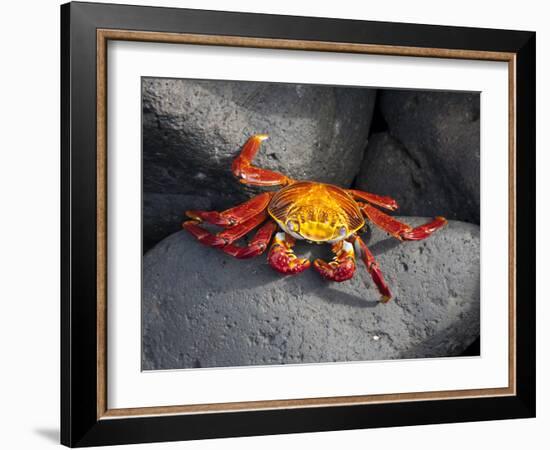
[(202, 308), (336, 296), (381, 247)]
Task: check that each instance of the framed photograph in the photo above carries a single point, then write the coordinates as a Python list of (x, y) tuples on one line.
[(276, 224)]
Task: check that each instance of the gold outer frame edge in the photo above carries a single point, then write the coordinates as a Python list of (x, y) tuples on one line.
[(103, 36)]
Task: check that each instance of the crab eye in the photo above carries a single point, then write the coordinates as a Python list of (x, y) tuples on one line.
[(342, 231), (293, 226)]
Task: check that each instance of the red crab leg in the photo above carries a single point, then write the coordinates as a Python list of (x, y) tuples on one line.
[(236, 215), (373, 268), (256, 246), (227, 236), (282, 258), (242, 166), (342, 267), (400, 230), (378, 200)]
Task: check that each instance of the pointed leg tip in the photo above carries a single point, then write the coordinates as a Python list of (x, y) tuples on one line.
[(440, 222), (385, 299), (189, 223), (191, 213), (261, 137)]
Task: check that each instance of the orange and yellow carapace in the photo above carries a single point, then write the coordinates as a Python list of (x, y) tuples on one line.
[(316, 212)]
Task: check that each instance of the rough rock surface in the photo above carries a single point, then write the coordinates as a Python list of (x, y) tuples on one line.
[(193, 129), (164, 213), (202, 308), (429, 158)]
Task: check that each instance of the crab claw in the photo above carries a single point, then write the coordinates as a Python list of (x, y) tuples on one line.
[(342, 267), (282, 258)]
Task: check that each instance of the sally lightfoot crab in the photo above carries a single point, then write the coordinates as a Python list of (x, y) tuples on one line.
[(316, 212)]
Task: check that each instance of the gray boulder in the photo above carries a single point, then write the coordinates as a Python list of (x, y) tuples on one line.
[(429, 158), (193, 129), (202, 308)]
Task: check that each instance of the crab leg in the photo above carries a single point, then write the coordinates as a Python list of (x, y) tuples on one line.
[(226, 237), (400, 230), (373, 268), (378, 200), (282, 258), (236, 215), (242, 166), (342, 267), (224, 241), (256, 246)]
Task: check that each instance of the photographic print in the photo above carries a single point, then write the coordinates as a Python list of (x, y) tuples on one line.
[(276, 229), (299, 224)]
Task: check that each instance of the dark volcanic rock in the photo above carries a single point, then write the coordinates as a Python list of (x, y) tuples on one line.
[(389, 169), (429, 162), (202, 308), (193, 129), (164, 213)]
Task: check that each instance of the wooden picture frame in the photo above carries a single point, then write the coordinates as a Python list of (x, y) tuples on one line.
[(86, 418)]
